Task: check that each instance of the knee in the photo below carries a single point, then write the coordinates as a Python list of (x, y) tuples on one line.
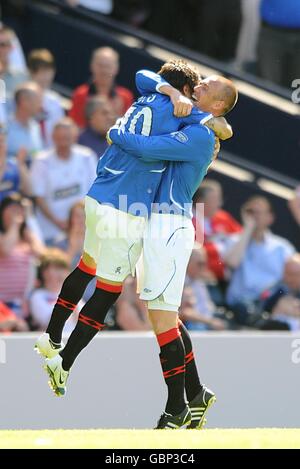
[(162, 322)]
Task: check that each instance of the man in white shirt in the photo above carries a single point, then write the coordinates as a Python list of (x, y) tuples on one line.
[(61, 176)]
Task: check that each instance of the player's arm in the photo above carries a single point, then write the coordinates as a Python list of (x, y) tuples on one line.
[(219, 125), (184, 145), (150, 82)]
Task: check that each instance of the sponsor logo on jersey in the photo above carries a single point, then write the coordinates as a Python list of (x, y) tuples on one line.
[(180, 136)]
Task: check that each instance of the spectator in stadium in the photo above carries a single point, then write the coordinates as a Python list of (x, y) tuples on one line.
[(61, 176), (218, 27), (19, 248), (217, 224), (246, 55), (283, 302), (16, 58), (257, 258), (41, 65), (23, 130), (131, 312), (198, 311), (104, 68), (279, 41), (14, 174), (294, 205), (99, 119), (9, 321), (53, 269), (11, 76)]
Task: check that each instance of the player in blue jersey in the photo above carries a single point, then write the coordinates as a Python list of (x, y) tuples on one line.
[(120, 174), (168, 243)]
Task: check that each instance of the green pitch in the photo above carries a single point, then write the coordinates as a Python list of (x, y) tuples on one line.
[(152, 439)]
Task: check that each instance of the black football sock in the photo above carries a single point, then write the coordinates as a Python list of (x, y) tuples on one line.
[(71, 293), (172, 355), (90, 321), (192, 381)]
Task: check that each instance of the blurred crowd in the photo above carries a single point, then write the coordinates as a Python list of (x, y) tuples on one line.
[(259, 36), (242, 276)]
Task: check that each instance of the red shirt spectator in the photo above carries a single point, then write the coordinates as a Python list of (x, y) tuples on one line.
[(104, 68), (9, 321), (212, 222)]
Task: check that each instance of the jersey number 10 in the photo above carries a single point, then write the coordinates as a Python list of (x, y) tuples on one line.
[(144, 113)]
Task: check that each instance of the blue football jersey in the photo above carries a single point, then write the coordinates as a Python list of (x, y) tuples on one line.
[(130, 184), (189, 152)]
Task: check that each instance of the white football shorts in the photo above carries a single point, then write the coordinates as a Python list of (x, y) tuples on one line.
[(168, 243), (113, 238)]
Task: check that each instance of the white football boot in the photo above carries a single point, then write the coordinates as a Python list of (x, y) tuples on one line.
[(45, 347), (58, 376)]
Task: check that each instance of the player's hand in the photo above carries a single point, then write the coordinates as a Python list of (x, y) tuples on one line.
[(117, 126), (182, 105)]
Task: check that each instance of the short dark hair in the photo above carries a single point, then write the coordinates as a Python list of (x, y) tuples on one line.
[(25, 89), (14, 198), (40, 59), (179, 73)]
